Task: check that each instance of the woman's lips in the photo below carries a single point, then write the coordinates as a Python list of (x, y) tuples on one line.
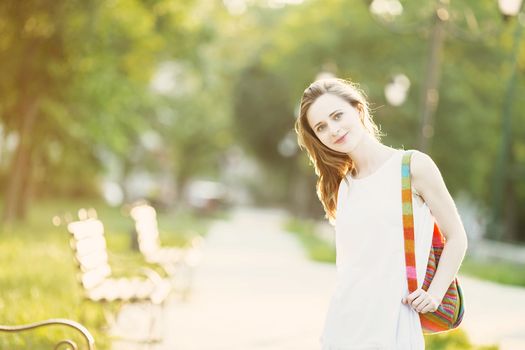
[(341, 139)]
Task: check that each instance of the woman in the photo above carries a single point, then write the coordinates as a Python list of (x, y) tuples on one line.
[(359, 185)]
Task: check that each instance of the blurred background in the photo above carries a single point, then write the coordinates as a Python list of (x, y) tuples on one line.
[(191, 105)]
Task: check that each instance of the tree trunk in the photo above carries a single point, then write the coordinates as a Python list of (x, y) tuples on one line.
[(181, 180), (19, 178), (510, 218)]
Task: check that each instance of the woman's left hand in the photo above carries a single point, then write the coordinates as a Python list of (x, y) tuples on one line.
[(422, 301)]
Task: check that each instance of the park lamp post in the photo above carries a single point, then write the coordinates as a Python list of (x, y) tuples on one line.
[(508, 8), (388, 11)]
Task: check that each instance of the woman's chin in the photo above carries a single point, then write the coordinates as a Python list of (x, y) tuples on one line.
[(343, 149)]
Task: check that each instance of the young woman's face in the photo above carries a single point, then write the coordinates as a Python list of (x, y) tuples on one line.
[(336, 123)]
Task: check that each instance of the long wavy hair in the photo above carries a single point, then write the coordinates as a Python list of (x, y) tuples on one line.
[(331, 166)]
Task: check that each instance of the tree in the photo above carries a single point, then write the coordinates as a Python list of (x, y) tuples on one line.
[(76, 79)]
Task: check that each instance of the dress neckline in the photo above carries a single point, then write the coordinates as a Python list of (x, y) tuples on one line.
[(392, 156)]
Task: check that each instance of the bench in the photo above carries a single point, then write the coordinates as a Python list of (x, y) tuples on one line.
[(96, 278), (62, 344), (177, 262)]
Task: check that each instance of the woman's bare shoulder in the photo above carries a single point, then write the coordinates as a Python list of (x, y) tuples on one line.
[(424, 172)]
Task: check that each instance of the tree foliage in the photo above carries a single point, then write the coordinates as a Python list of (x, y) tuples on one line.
[(76, 82), (347, 40)]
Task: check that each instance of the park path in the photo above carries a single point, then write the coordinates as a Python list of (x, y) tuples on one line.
[(255, 289)]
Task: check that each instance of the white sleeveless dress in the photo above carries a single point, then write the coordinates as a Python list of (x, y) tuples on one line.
[(365, 311)]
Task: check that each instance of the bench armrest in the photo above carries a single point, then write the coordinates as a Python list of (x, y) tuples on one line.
[(90, 341), (152, 275)]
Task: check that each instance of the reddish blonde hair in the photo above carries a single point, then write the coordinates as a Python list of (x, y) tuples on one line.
[(330, 166)]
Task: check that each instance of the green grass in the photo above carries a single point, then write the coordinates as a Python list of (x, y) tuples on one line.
[(495, 271), (318, 249), (38, 273), (322, 251), (490, 270), (453, 340)]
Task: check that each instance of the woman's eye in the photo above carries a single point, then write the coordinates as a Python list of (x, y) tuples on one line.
[(320, 127), (337, 116)]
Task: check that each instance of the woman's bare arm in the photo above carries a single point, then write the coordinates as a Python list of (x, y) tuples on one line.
[(427, 180)]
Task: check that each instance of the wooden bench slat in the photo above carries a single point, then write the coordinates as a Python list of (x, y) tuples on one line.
[(130, 289), (90, 245), (85, 228), (91, 261), (95, 276)]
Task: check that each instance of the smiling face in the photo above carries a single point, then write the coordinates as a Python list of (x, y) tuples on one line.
[(336, 123)]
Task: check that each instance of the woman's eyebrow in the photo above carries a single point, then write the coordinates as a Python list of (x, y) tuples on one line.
[(334, 112), (329, 115)]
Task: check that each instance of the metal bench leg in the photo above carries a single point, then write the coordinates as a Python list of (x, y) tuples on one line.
[(188, 276), (156, 323)]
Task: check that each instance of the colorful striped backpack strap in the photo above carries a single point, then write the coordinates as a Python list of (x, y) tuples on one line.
[(408, 222), (450, 312)]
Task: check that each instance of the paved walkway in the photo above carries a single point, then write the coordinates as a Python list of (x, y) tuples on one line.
[(255, 289)]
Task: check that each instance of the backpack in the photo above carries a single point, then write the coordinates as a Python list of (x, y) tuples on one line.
[(450, 312)]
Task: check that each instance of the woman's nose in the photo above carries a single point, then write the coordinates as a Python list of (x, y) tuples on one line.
[(334, 129)]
